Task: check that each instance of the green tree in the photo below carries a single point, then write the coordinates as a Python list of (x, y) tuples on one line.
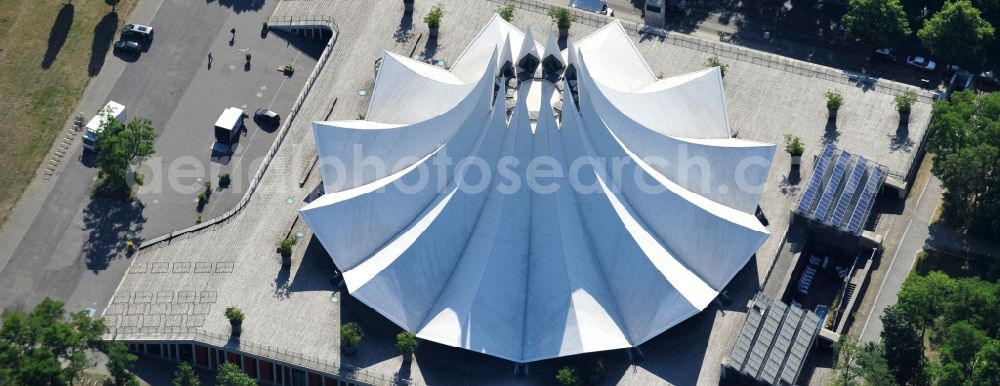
[(860, 364), (185, 376), (961, 344), (231, 375), (965, 138), (44, 347), (567, 376), (406, 342), (122, 146), (922, 297), (120, 363), (903, 346), (949, 374), (958, 34), (507, 12), (974, 300), (877, 23), (986, 371)]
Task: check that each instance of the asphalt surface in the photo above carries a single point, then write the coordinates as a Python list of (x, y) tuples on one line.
[(913, 236), (73, 249)]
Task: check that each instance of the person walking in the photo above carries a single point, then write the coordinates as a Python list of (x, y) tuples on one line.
[(209, 57), (233, 31)]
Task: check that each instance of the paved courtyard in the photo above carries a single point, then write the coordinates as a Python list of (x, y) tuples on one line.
[(178, 290)]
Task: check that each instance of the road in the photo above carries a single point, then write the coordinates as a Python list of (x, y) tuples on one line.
[(913, 237), (59, 242), (798, 33)]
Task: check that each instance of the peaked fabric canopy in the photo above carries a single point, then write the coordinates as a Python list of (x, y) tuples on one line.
[(440, 240)]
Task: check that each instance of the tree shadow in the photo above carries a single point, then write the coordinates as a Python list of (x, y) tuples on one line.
[(58, 33), (430, 48), (239, 6), (405, 30), (109, 223), (831, 134), (789, 184), (104, 35), (901, 141)]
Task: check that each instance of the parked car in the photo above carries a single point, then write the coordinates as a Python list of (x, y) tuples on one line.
[(886, 55), (990, 77), (128, 46), (137, 31), (266, 116), (921, 63)]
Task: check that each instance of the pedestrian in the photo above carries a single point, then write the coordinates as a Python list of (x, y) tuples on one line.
[(210, 56), (234, 32)]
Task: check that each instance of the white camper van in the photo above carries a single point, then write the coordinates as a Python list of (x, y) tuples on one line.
[(96, 124)]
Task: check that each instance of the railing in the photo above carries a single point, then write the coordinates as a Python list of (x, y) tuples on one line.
[(731, 51), (289, 357), (282, 133), (304, 20)]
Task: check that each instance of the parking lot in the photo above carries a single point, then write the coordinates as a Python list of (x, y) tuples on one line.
[(173, 84), (73, 249)]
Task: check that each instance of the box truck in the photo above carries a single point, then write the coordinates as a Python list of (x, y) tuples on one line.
[(96, 124), (228, 126)]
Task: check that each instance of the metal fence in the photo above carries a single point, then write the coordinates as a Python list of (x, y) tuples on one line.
[(315, 364), (726, 50), (320, 21)]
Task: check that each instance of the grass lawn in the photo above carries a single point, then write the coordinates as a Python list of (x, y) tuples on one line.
[(48, 51)]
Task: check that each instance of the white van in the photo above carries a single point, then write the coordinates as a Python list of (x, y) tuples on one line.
[(96, 124)]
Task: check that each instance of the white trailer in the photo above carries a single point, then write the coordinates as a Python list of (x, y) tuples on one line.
[(96, 124)]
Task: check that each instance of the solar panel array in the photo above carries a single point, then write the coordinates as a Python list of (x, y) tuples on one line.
[(773, 343), (816, 180), (874, 182), (831, 187), (847, 196)]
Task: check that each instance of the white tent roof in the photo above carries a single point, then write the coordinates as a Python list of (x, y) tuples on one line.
[(444, 245)]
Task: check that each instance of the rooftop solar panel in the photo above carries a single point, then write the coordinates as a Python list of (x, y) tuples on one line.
[(817, 178), (831, 187), (865, 201), (847, 195)]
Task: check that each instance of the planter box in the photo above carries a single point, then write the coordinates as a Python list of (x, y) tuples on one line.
[(349, 351), (237, 327), (434, 32), (833, 114), (796, 160), (563, 33)]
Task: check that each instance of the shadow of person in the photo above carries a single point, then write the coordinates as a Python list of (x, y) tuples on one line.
[(58, 34), (246, 67), (232, 41)]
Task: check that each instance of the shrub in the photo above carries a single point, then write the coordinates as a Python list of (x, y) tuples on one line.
[(562, 17), (285, 246), (714, 61), (406, 342), (507, 12), (202, 199), (904, 101), (208, 189), (833, 100), (793, 145), (434, 16), (248, 56), (234, 314), (263, 26), (351, 334), (224, 180), (198, 220), (567, 376)]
